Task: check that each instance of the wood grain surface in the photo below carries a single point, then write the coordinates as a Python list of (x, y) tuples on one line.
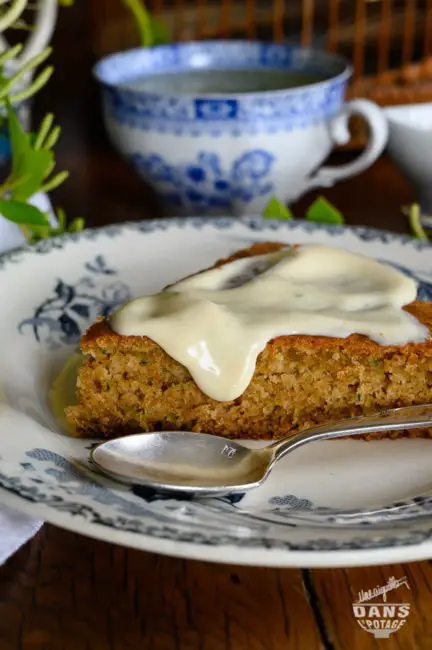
[(66, 592)]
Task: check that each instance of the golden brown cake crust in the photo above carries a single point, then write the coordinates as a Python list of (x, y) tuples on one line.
[(128, 383)]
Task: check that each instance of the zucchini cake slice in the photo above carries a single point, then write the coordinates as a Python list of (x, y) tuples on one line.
[(129, 383)]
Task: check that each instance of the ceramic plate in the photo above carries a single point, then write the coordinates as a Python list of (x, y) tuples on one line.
[(333, 503)]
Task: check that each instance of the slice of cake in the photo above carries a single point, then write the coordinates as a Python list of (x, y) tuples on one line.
[(129, 383)]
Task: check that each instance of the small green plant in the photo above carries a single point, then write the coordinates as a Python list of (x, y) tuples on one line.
[(32, 157), (32, 160), (151, 30), (414, 217), (320, 211), (275, 209), (32, 164)]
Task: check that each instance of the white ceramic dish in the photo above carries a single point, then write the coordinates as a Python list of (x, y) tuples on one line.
[(410, 146), (334, 503)]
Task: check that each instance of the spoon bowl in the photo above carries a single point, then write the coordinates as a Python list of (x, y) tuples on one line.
[(200, 464), (195, 462)]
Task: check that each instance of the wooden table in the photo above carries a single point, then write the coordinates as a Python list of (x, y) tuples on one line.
[(66, 592)]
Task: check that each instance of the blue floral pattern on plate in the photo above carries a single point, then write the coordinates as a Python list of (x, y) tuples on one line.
[(63, 316), (50, 479)]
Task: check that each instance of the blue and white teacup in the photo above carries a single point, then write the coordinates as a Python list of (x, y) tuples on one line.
[(223, 126)]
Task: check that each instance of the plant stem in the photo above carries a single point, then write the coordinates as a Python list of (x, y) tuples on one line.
[(54, 182), (44, 130), (34, 87), (12, 14), (52, 138), (10, 54), (414, 217), (142, 20), (30, 65)]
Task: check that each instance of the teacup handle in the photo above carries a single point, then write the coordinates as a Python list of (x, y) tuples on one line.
[(338, 126)]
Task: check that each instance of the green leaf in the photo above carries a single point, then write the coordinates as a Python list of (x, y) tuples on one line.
[(52, 138), (6, 86), (54, 182), (322, 211), (10, 53), (161, 35), (39, 138), (76, 225), (36, 233), (61, 218), (27, 162), (275, 209), (414, 217), (22, 213)]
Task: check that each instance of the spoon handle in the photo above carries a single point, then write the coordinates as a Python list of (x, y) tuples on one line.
[(410, 417)]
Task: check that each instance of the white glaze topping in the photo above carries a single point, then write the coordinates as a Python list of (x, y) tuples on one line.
[(217, 322)]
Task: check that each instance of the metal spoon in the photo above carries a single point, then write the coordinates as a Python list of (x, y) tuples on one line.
[(200, 464)]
